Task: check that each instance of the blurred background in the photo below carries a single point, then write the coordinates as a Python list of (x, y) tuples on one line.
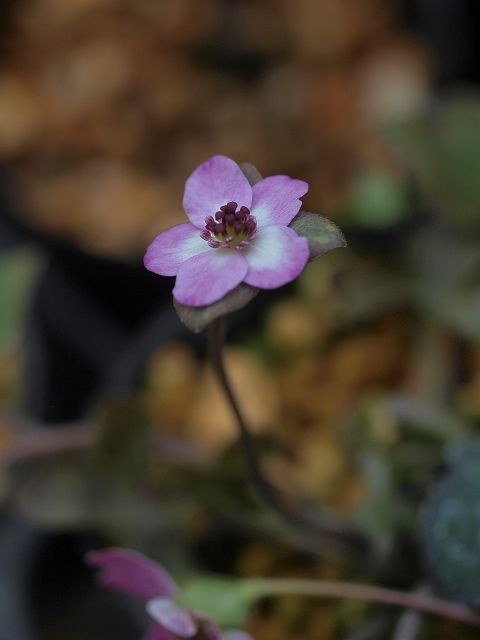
[(362, 380)]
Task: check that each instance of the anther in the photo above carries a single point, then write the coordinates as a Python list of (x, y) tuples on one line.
[(229, 228), (210, 224)]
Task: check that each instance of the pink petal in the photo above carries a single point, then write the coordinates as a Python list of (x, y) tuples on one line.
[(168, 615), (275, 256), (213, 184), (132, 573), (156, 632), (207, 277), (276, 199), (172, 247)]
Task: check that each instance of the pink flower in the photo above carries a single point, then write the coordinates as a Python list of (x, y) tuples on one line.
[(237, 233), (138, 576)]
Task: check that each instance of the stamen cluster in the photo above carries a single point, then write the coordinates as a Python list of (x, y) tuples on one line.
[(230, 228)]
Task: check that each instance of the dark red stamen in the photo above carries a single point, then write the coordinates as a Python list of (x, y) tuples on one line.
[(230, 228), (210, 224)]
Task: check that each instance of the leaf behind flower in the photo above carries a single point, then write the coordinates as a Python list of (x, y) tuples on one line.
[(322, 234), (198, 318), (227, 601), (251, 172)]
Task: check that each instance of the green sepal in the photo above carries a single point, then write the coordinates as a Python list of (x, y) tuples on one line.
[(198, 318), (322, 234)]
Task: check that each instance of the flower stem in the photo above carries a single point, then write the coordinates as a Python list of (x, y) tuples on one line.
[(380, 595), (316, 526)]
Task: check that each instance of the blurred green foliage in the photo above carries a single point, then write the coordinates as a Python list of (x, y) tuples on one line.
[(374, 357), (451, 528), (377, 199), (443, 149), (17, 270)]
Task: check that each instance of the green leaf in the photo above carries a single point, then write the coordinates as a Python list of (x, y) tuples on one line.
[(451, 522), (225, 600), (198, 318), (322, 234)]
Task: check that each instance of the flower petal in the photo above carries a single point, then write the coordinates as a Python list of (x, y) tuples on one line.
[(132, 573), (157, 632), (172, 247), (168, 615), (214, 183), (276, 199), (275, 256), (207, 277)]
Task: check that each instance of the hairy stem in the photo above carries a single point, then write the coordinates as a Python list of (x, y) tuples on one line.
[(367, 593), (316, 526), (252, 458)]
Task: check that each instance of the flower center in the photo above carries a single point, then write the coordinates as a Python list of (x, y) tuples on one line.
[(230, 229)]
